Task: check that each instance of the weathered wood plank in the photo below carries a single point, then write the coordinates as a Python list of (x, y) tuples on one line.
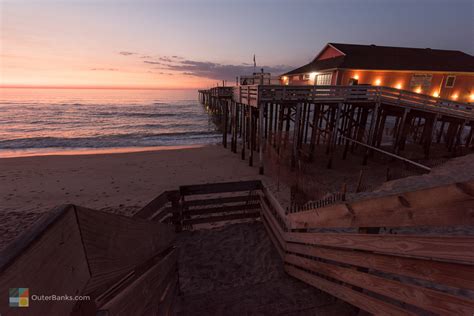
[(52, 261), (440, 206), (275, 205), (273, 225), (365, 302), (359, 215), (145, 292), (167, 300), (222, 209), (220, 187), (430, 300), (33, 234), (115, 244), (434, 247), (151, 208), (221, 218), (222, 200), (273, 238), (451, 274)]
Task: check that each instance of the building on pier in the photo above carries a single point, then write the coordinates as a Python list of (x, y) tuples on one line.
[(258, 78), (446, 74)]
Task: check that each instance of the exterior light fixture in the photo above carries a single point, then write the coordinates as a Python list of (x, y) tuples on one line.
[(313, 75), (398, 86), (455, 96), (418, 90), (378, 82), (356, 77), (436, 94)]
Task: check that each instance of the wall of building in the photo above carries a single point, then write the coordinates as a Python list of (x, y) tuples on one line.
[(299, 79), (329, 52), (463, 89), (433, 84)]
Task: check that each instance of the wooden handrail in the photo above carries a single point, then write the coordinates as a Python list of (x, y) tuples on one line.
[(253, 94), (449, 259)]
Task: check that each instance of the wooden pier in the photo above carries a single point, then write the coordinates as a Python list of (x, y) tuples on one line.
[(331, 117)]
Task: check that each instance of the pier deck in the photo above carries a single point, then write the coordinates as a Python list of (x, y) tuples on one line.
[(331, 116)]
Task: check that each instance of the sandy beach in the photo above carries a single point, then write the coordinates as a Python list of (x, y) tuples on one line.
[(115, 182)]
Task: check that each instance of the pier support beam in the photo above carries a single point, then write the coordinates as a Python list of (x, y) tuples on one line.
[(296, 136), (260, 135), (250, 135), (225, 110)]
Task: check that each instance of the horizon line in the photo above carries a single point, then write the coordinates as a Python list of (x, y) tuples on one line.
[(93, 87)]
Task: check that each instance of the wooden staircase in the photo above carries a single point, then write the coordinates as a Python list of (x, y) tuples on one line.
[(128, 265)]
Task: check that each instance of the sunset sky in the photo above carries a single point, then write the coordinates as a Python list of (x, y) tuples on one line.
[(191, 44)]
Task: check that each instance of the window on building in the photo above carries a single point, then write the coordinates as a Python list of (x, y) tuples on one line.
[(306, 77), (450, 81), (324, 79)]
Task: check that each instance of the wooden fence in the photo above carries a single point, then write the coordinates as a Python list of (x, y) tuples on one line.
[(124, 265), (384, 274), (207, 208), (128, 265)]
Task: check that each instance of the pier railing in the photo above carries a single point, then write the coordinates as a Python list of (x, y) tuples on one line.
[(254, 94)]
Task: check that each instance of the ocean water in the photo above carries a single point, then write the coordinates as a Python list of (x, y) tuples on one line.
[(42, 120)]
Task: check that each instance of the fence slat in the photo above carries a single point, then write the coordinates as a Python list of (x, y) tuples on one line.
[(430, 300), (222, 200), (434, 247), (222, 209), (441, 206), (365, 302), (220, 187), (432, 271), (212, 219)]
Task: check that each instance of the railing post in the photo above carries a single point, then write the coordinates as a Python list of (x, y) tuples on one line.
[(260, 135), (295, 154)]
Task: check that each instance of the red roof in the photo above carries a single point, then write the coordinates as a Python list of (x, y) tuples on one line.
[(391, 58)]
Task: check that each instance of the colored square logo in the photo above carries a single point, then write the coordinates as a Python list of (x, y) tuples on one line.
[(19, 297)]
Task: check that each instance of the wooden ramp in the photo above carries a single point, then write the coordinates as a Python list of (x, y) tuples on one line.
[(125, 265)]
